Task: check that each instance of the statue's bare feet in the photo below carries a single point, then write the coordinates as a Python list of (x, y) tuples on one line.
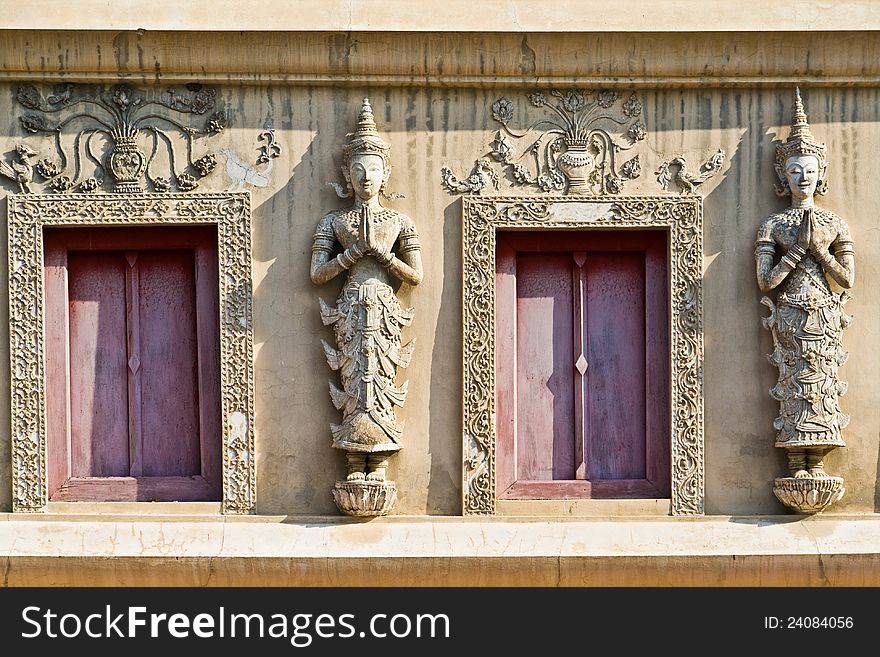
[(377, 464), (801, 474), (816, 465), (355, 476), (377, 475)]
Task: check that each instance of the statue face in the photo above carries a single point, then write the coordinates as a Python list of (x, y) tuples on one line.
[(367, 173), (802, 173)]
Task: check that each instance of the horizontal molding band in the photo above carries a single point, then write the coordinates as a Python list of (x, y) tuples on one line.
[(453, 59), (451, 81), (773, 570)]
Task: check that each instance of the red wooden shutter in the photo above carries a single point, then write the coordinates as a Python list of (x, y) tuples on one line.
[(132, 364), (582, 364)]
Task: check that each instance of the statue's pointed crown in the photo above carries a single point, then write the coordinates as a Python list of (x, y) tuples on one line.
[(800, 141), (365, 138)]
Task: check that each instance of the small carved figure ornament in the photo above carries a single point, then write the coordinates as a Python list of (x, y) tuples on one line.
[(800, 253), (22, 172), (372, 245), (686, 180)]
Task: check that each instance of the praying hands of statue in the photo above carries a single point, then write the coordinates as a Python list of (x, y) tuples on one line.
[(805, 231), (769, 277), (809, 241), (809, 237), (367, 241)]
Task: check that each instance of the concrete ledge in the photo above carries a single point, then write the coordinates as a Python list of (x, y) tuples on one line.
[(63, 550)]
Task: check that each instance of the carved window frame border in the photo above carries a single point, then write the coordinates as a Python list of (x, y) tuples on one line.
[(682, 217), (27, 214)]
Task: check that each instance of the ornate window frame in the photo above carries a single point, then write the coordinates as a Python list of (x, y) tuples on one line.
[(27, 214), (682, 217)]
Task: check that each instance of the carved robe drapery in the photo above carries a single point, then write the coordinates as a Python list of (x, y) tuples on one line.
[(806, 322), (367, 322)]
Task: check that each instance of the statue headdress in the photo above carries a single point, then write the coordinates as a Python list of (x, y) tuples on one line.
[(800, 142), (365, 138)]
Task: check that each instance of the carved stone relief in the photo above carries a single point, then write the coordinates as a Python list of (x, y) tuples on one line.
[(800, 252), (682, 217), (243, 173), (100, 133), (576, 145), (687, 181), (27, 215), (22, 170), (367, 320)]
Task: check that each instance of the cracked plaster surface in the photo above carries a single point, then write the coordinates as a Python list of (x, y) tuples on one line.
[(423, 537)]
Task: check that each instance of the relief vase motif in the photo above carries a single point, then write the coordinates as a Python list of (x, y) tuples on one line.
[(127, 165), (576, 163)]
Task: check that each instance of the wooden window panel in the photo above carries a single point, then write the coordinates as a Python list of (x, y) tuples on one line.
[(168, 368), (582, 362), (132, 364), (97, 353), (545, 432)]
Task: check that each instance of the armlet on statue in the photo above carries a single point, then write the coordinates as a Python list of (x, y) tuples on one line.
[(323, 242), (765, 247), (409, 241), (843, 248)]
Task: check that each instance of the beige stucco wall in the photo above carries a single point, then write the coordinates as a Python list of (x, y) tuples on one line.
[(452, 15), (432, 96)]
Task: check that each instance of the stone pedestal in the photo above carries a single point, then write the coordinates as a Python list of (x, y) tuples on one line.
[(365, 498), (808, 494)]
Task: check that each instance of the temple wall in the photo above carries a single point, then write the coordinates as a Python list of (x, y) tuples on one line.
[(432, 95)]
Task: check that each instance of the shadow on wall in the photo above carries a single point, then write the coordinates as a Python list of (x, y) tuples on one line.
[(877, 485), (737, 342), (446, 381), (296, 467), (767, 520)]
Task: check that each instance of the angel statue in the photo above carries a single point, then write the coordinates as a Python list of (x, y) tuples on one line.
[(805, 253), (373, 246)]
